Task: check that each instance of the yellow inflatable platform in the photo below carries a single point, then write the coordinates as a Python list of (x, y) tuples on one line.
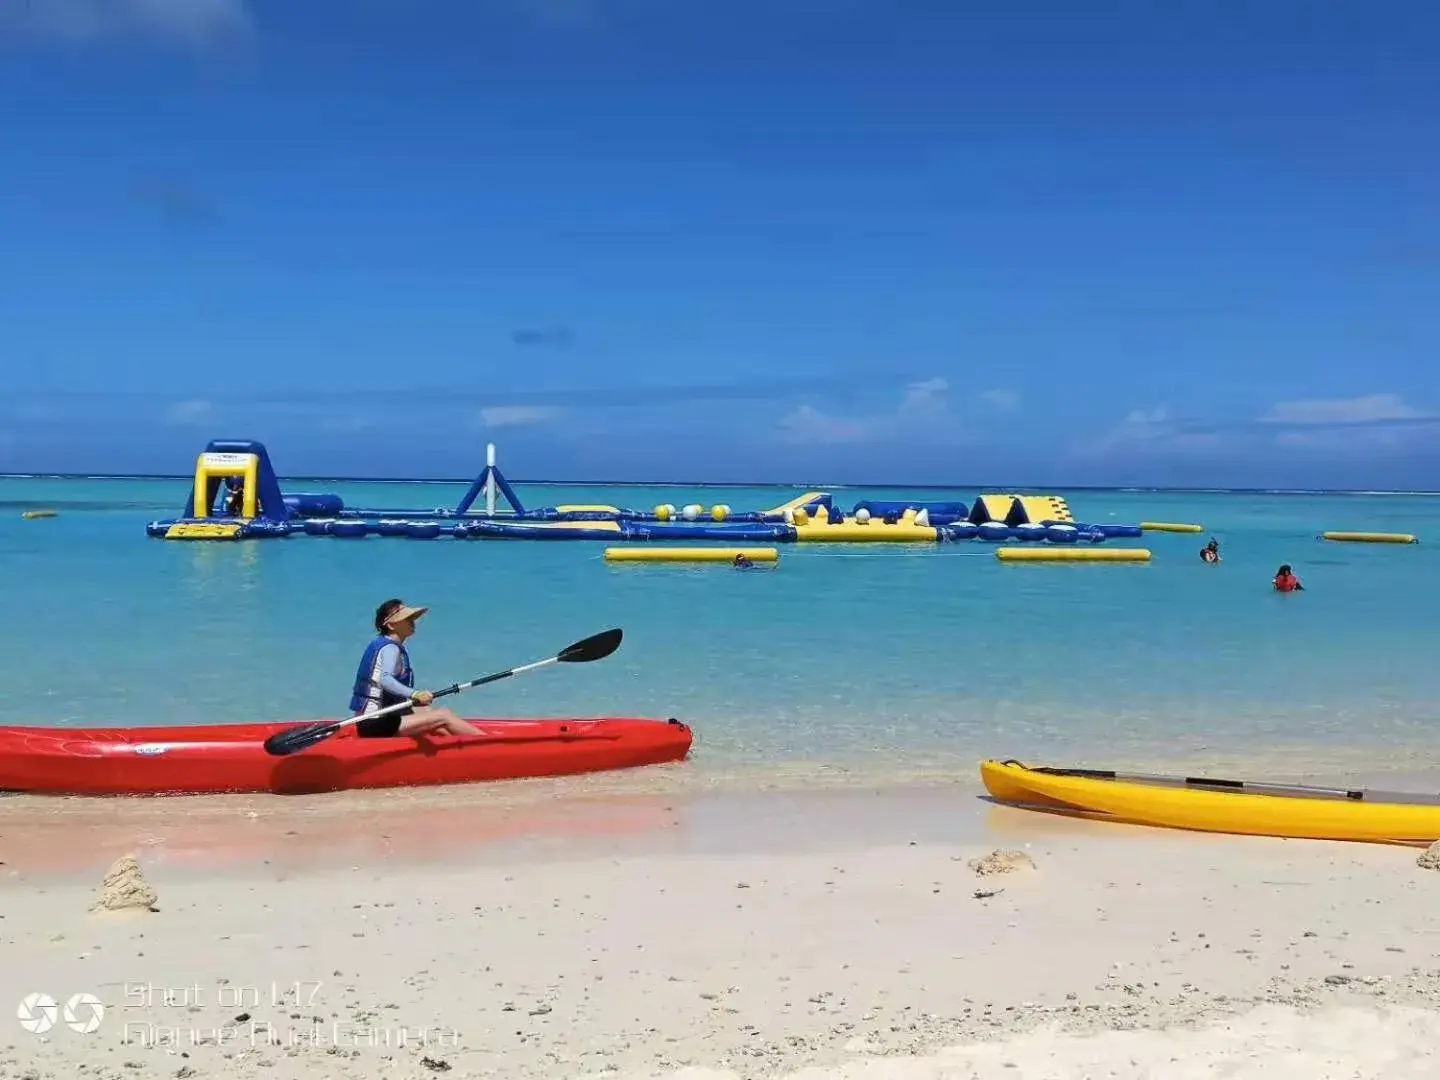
[(1370, 537), (1240, 807), (36, 515), (203, 530), (644, 553), (1072, 554), (821, 530)]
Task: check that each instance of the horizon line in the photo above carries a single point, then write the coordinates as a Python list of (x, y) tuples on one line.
[(1130, 488)]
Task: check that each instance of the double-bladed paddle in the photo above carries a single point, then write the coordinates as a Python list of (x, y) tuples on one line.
[(596, 647)]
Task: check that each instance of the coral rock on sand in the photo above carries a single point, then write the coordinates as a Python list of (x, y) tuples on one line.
[(1002, 862), (1430, 858), (125, 888)]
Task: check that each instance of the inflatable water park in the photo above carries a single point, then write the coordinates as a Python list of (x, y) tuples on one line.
[(236, 495)]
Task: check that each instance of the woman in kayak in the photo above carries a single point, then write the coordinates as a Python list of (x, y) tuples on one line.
[(385, 678), (1286, 581), (1210, 553)]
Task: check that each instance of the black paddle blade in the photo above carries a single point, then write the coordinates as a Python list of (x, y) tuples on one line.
[(592, 648), (288, 742)]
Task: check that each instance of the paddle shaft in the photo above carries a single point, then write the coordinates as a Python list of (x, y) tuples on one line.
[(1203, 782)]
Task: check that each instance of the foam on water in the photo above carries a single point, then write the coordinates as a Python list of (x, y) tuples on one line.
[(857, 660)]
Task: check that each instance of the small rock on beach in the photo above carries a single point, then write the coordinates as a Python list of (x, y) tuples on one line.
[(1002, 862)]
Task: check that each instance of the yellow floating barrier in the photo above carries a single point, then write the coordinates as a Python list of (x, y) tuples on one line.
[(587, 508), (1371, 537), (203, 530), (32, 515), (1169, 526), (644, 553), (1070, 554)]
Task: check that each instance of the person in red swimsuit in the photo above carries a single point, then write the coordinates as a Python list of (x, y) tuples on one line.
[(1286, 581)]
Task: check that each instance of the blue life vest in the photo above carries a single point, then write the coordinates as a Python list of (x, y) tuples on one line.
[(368, 694)]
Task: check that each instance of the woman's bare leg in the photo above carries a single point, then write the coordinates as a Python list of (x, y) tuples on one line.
[(429, 720)]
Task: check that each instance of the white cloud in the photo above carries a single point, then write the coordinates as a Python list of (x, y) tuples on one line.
[(1155, 429), (502, 416), (1369, 409), (1141, 425), (1000, 399), (191, 22), (193, 413), (924, 408)]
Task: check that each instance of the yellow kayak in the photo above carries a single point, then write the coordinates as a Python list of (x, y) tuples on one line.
[(1223, 806)]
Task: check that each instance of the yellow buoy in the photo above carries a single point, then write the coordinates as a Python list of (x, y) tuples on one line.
[(1371, 537), (1169, 526), (1069, 554), (644, 553), (32, 515)]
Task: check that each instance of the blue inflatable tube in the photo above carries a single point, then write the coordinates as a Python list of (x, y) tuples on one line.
[(1126, 532), (307, 505), (508, 530), (694, 530), (886, 508)]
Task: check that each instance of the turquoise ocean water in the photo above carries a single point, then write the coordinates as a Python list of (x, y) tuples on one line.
[(858, 661)]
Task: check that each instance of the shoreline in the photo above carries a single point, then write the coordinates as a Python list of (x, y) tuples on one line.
[(629, 812), (754, 935)]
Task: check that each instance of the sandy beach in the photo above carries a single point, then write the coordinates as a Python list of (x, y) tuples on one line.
[(707, 936)]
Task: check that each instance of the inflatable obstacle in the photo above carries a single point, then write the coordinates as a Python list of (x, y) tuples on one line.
[(236, 495)]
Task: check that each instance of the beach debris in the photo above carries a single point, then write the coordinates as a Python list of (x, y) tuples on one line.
[(125, 888), (1002, 862), (1430, 858), (986, 894), (435, 1064)]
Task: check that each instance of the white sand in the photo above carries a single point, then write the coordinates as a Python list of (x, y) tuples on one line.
[(705, 947)]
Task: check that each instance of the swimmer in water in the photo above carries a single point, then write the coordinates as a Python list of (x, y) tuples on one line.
[(1210, 553), (742, 562), (1286, 581)]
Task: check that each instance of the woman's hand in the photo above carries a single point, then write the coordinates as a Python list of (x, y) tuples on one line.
[(422, 697)]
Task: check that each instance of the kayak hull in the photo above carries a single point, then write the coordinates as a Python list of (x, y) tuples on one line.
[(1227, 807), (219, 759)]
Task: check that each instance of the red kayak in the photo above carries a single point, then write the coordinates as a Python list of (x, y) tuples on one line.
[(232, 757)]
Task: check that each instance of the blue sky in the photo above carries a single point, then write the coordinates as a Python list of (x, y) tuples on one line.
[(1183, 243)]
